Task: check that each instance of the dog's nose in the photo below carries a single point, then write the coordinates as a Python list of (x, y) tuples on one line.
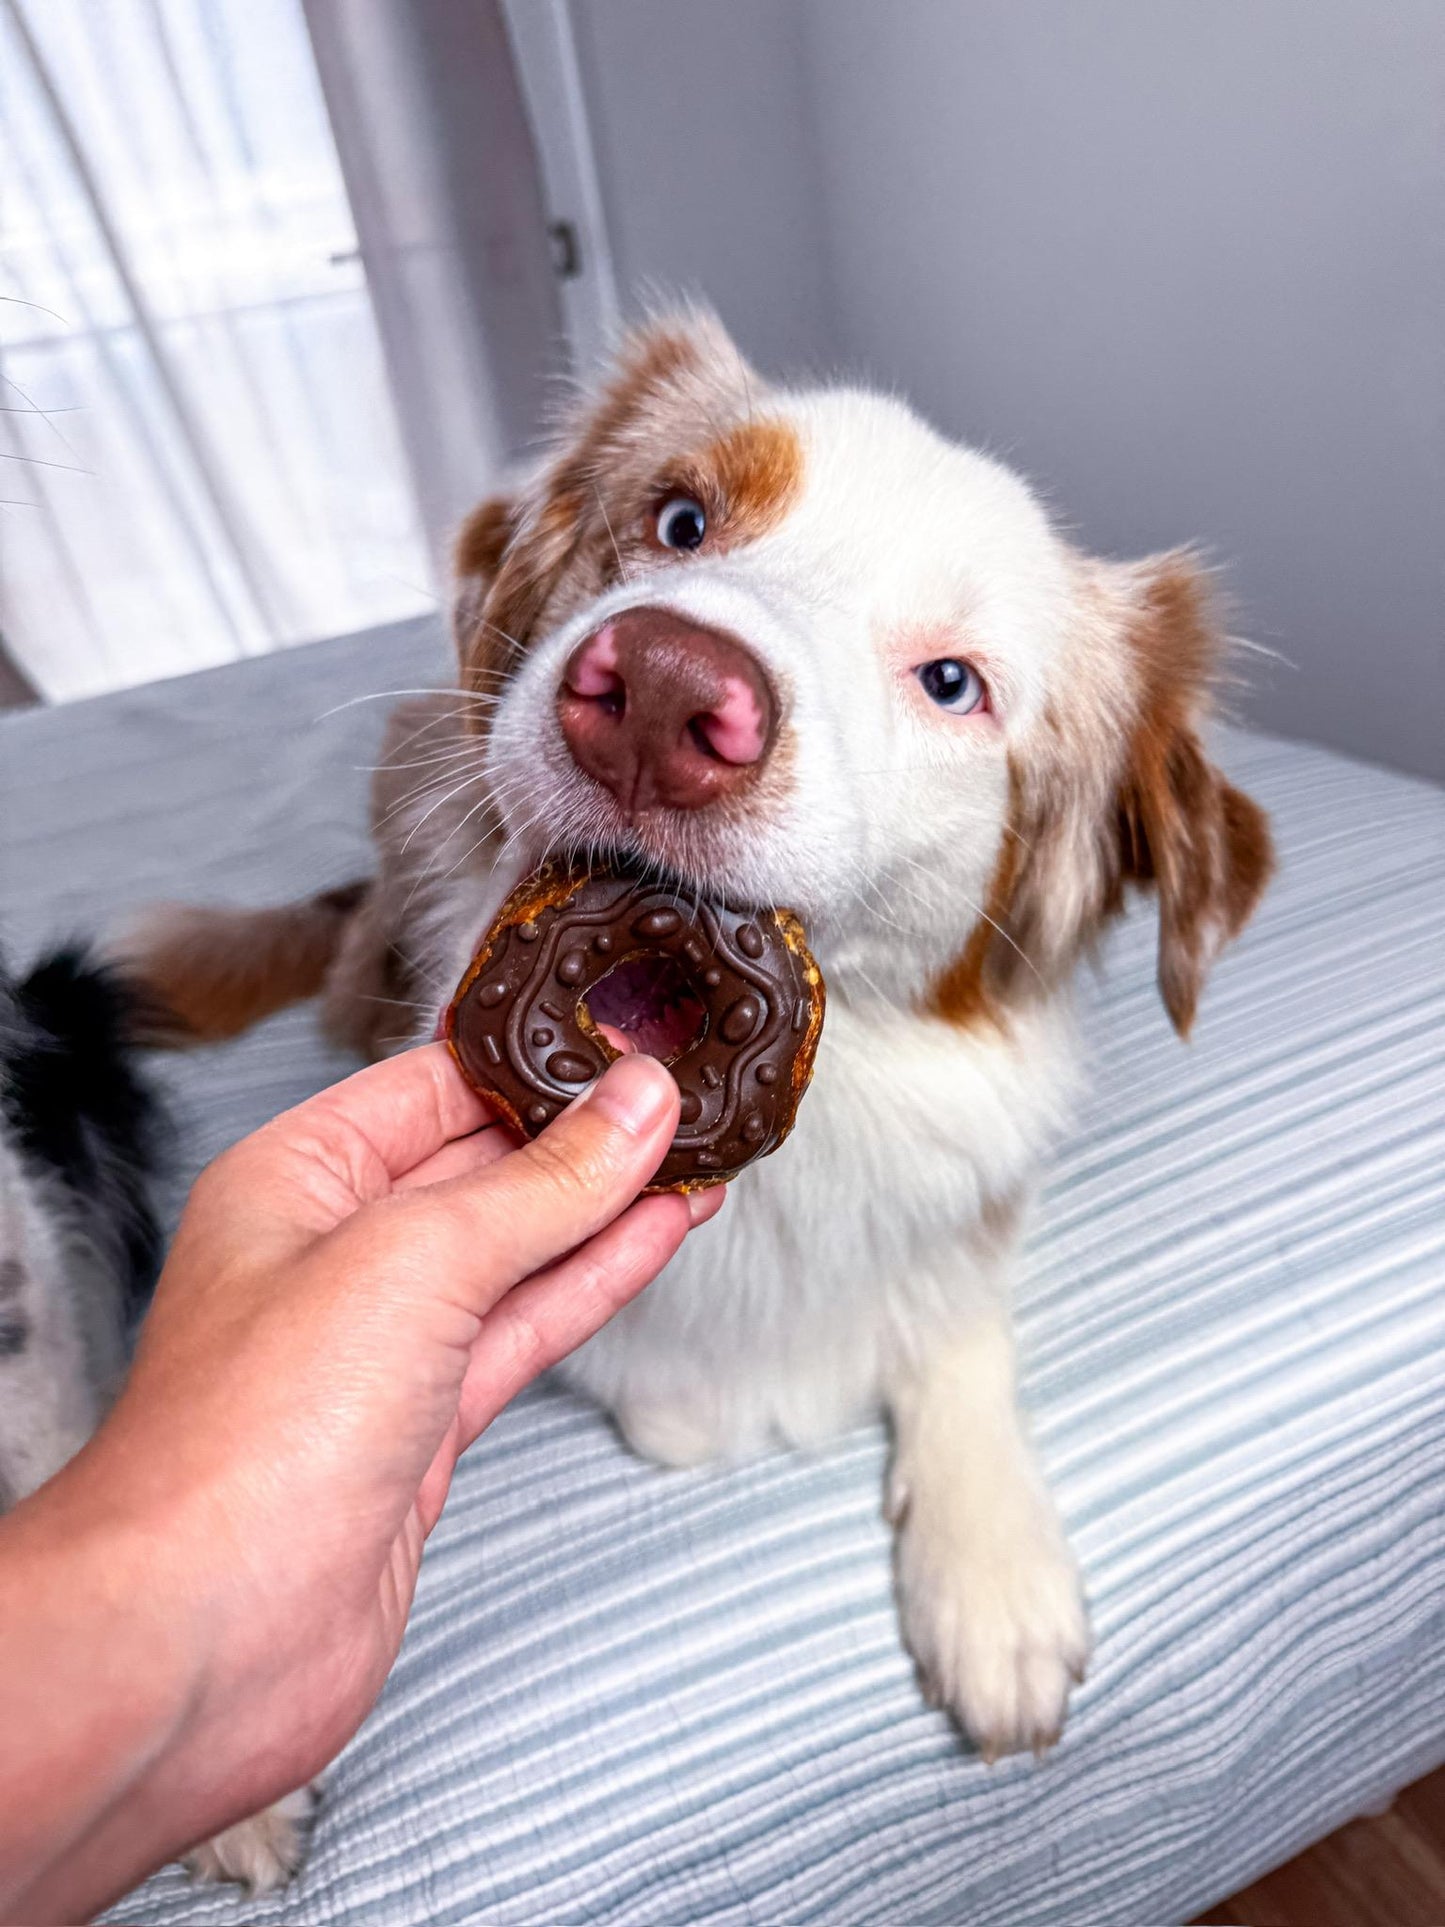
[(662, 710)]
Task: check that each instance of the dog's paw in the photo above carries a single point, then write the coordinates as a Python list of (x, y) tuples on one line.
[(992, 1611), (262, 1852)]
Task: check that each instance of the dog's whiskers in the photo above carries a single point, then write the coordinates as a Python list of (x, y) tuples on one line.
[(417, 795), (456, 790), (390, 695), (622, 574), (511, 641), (429, 761)]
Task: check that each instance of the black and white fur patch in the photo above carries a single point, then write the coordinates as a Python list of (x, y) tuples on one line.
[(82, 1138)]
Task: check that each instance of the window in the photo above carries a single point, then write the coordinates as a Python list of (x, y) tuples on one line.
[(200, 459)]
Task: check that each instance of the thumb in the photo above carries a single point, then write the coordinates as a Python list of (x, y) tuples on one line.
[(492, 1227)]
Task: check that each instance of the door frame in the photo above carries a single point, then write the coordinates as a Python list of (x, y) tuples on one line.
[(544, 46)]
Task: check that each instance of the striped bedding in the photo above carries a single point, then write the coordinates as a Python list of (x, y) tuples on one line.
[(643, 1697)]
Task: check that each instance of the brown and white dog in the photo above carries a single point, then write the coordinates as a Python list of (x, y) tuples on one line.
[(791, 647)]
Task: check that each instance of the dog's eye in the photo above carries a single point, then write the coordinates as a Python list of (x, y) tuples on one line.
[(952, 684), (681, 523)]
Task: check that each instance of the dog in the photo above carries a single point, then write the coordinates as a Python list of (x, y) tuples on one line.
[(82, 1139), (791, 647)]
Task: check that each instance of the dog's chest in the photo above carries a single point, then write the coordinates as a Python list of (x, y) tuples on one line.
[(782, 1316)]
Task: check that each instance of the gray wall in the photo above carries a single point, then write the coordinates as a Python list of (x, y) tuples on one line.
[(701, 119), (1183, 261), (1185, 264)]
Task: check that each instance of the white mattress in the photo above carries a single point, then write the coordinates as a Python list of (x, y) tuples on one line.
[(644, 1697)]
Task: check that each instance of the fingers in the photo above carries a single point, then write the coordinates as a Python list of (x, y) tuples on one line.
[(554, 1312), (462, 1158), (488, 1229), (381, 1123)]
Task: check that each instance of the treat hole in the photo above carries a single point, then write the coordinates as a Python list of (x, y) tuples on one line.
[(644, 1003)]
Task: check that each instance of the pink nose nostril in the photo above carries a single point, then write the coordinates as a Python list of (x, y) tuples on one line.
[(661, 710), (734, 729), (593, 668)]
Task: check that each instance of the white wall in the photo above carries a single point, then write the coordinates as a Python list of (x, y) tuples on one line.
[(1181, 260)]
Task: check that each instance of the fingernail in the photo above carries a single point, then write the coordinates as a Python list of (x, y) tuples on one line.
[(702, 1205), (634, 1092)]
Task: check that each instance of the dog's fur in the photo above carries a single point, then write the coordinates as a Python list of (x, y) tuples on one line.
[(951, 871), (81, 1135)]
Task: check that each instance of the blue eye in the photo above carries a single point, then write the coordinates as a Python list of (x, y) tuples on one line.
[(953, 685), (681, 523)]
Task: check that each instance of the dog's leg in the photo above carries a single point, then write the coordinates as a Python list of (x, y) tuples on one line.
[(989, 1594)]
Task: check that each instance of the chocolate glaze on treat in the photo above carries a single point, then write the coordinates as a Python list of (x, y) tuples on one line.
[(730, 999)]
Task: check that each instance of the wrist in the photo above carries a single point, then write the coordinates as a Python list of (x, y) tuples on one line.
[(103, 1660)]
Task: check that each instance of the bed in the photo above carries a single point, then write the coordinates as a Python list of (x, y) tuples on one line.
[(649, 1697)]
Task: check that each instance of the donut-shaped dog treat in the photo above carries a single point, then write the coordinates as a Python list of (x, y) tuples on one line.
[(579, 966)]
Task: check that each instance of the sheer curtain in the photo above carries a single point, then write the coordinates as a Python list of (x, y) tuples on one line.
[(199, 458)]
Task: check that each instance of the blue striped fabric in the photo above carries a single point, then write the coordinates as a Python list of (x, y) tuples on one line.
[(643, 1697)]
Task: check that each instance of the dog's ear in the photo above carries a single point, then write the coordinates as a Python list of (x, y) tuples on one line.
[(481, 542), (1183, 830), (1112, 790)]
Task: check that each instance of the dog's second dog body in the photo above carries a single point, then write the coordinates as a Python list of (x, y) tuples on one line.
[(81, 1140), (793, 648)]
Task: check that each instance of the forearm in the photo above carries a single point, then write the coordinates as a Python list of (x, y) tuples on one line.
[(96, 1682), (197, 1613)]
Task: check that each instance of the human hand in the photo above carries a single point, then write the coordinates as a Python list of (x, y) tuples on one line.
[(354, 1292)]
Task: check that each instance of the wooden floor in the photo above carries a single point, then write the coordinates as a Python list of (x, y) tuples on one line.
[(1388, 1871)]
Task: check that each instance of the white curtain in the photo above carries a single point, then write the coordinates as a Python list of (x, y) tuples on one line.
[(198, 453)]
